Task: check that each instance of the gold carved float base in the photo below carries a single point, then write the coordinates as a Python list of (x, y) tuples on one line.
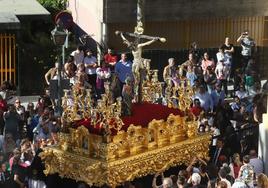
[(114, 172)]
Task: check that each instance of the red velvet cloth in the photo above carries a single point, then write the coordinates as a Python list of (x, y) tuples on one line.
[(142, 114)]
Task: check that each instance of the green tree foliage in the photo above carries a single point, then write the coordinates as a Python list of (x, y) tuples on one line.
[(54, 6)]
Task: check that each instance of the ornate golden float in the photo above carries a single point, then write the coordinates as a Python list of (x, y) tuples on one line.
[(118, 155)]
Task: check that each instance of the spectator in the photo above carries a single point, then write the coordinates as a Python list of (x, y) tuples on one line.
[(236, 105), (3, 108), (195, 180), (110, 58), (222, 73), (228, 49), (235, 165), (205, 99), (241, 93), (247, 44), (90, 63), (12, 122), (230, 178), (215, 132), (9, 144), (210, 79), (190, 62), (262, 181), (205, 180), (36, 175), (103, 75), (78, 55), (7, 89), (256, 162), (246, 172), (222, 184), (31, 123), (207, 62), (231, 144), (4, 176), (217, 95), (47, 102), (21, 111), (218, 151), (81, 70), (81, 82), (221, 57), (240, 184), (181, 181), (46, 125), (167, 183), (4, 91), (169, 70), (123, 69), (223, 116), (244, 147), (194, 50), (19, 173), (190, 75), (52, 73), (69, 71), (174, 179), (238, 79), (222, 175), (196, 109)]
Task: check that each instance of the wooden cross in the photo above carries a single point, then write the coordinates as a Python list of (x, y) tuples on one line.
[(136, 49)]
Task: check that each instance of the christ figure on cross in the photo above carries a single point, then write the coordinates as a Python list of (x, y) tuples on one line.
[(138, 61)]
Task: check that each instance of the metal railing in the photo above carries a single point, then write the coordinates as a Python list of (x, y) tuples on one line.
[(7, 58)]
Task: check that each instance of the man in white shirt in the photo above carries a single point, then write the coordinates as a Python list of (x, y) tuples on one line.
[(222, 175), (256, 162), (248, 45), (90, 63), (78, 55)]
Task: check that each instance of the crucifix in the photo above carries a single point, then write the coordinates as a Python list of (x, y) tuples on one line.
[(136, 49)]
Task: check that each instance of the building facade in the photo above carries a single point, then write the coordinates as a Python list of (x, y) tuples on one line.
[(181, 22)]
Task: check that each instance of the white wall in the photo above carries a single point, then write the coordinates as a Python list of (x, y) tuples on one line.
[(88, 15)]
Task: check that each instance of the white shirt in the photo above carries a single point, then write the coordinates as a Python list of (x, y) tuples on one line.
[(247, 44), (88, 61), (78, 57), (257, 165), (221, 57), (241, 94), (221, 71), (216, 132), (239, 184)]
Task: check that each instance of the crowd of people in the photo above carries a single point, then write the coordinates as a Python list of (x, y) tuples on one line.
[(232, 117), (24, 132)]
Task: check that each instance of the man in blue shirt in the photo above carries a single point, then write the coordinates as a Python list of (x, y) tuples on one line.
[(123, 69), (217, 95)]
